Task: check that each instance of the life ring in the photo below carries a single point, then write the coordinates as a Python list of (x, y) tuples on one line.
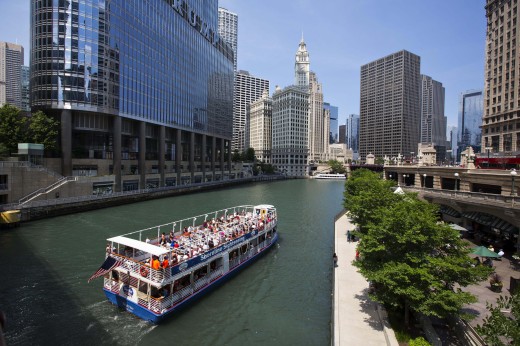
[(144, 271)]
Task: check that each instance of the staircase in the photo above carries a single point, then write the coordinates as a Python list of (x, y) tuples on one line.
[(45, 190)]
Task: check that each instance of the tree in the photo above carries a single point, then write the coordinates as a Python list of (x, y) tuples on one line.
[(498, 327), (236, 156), (13, 128), (413, 262), (336, 167), (249, 155), (44, 130)]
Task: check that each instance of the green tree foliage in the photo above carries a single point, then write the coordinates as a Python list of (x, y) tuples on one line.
[(43, 130), (336, 167), (236, 157), (13, 128), (249, 155), (413, 261), (499, 329)]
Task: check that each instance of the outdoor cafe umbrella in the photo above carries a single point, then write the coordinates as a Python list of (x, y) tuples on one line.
[(483, 251)]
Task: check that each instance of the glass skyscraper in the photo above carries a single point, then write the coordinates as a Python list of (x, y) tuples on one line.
[(333, 111), (146, 81), (471, 109)]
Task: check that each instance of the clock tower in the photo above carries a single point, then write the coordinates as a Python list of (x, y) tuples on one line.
[(302, 65)]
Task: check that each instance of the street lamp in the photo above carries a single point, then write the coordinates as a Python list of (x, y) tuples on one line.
[(404, 180), (456, 181), (424, 181), (488, 149), (513, 175)]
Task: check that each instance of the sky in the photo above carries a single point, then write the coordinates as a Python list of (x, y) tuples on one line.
[(341, 35)]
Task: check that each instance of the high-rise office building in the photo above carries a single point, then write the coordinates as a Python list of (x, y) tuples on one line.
[(342, 134), (389, 105), (25, 79), (247, 90), (319, 121), (260, 127), (143, 90), (451, 136), (228, 30), (352, 132), (501, 119), (11, 61), (470, 120), (333, 116), (433, 121), (291, 130)]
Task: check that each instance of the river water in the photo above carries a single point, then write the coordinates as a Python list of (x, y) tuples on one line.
[(282, 299)]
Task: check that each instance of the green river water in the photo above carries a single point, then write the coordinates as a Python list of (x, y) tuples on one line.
[(284, 298)]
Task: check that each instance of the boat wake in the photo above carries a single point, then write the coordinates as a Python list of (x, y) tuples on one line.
[(122, 327)]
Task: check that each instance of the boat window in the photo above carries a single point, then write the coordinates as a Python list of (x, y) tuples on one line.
[(243, 249), (143, 287), (215, 264), (200, 273), (233, 254), (181, 283), (115, 275)]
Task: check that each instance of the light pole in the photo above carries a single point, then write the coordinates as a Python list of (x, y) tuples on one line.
[(404, 180), (488, 149), (424, 181), (456, 181), (513, 175)]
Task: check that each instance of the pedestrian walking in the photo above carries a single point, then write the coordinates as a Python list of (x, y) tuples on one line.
[(349, 236), (335, 258)]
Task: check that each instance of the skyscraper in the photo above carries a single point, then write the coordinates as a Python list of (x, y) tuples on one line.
[(433, 121), (228, 30), (139, 87), (389, 105), (25, 78), (470, 120), (247, 90), (319, 121), (260, 127), (333, 112), (342, 134), (11, 61), (352, 132), (291, 130), (501, 118)]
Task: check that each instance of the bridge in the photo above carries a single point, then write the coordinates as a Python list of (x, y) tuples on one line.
[(484, 201)]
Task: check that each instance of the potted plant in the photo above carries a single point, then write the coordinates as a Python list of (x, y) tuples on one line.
[(496, 283)]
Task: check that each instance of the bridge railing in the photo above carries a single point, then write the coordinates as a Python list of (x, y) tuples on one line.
[(476, 196)]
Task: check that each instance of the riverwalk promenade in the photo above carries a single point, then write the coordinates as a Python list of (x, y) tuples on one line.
[(356, 319)]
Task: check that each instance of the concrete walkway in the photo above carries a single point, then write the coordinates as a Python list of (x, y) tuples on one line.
[(357, 320)]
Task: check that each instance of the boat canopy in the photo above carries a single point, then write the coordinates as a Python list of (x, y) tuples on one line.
[(140, 245)]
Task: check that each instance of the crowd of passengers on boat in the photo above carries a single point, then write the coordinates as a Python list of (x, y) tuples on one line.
[(196, 240)]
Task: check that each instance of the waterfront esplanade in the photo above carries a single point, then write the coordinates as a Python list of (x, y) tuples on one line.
[(485, 201), (143, 90)]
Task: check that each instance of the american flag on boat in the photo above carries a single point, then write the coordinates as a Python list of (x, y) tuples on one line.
[(107, 266)]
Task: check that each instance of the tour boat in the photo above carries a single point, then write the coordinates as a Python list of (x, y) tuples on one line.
[(330, 176), (206, 250)]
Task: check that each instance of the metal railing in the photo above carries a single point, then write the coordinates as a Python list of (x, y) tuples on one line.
[(45, 190)]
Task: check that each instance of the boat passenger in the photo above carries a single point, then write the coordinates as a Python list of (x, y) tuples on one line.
[(165, 262), (163, 239), (155, 263)]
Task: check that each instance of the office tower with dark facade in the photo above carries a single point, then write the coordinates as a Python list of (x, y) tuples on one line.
[(389, 105), (247, 90), (433, 121), (501, 119), (11, 61), (143, 90), (333, 113), (342, 134), (469, 121)]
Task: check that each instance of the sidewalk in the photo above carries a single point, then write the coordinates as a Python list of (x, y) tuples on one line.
[(357, 320)]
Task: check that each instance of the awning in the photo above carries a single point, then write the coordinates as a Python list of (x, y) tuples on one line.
[(458, 228), (140, 245), (449, 211), (491, 221)]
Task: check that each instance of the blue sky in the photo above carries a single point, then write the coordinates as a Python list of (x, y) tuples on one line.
[(341, 35)]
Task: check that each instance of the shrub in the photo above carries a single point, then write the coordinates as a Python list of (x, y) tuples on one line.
[(420, 341)]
